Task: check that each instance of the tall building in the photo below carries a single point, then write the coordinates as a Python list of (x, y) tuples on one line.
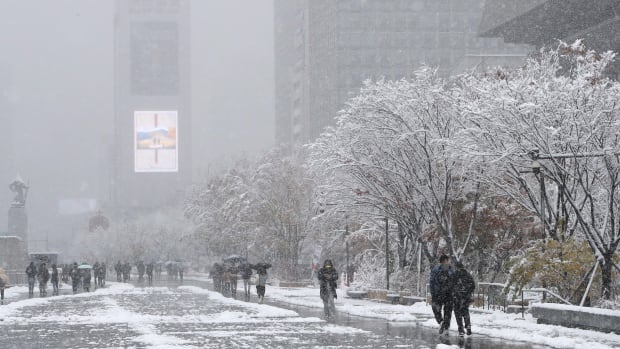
[(541, 22), (7, 170), (325, 50), (152, 140)]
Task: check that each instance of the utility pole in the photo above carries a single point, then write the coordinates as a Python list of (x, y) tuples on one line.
[(387, 256)]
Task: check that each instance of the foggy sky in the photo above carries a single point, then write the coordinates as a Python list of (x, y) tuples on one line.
[(56, 87)]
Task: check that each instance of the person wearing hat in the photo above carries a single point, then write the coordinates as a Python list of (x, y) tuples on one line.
[(462, 293)]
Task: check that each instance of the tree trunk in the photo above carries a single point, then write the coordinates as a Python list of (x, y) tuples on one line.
[(606, 268)]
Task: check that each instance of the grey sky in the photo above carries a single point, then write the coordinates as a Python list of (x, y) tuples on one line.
[(56, 83)]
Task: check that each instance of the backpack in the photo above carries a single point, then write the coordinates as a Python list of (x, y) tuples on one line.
[(443, 279), (465, 284)]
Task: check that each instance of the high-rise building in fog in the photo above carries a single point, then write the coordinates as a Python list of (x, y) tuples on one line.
[(542, 22), (325, 49), (7, 170), (152, 142)]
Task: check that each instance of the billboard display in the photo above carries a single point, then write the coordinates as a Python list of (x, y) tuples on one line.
[(156, 141)]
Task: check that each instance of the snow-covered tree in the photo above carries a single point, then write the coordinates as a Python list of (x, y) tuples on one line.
[(388, 156), (558, 117)]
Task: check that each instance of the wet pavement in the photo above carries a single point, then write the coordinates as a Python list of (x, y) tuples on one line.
[(168, 316)]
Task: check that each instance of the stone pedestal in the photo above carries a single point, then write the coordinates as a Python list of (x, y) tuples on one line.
[(13, 254), (18, 223)]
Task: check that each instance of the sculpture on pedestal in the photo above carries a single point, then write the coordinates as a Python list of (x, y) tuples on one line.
[(21, 192)]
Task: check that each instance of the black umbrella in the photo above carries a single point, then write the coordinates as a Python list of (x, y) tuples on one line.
[(234, 258)]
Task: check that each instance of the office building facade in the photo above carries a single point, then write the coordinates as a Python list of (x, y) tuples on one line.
[(152, 126), (326, 49)]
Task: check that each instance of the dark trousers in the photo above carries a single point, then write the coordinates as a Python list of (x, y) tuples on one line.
[(445, 304), (461, 312), (260, 290)]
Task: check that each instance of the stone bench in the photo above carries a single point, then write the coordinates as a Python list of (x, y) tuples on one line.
[(516, 309), (393, 298), (357, 294), (409, 300), (605, 320)]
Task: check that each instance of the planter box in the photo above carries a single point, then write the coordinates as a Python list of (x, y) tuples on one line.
[(573, 316), (377, 294), (357, 294), (393, 298), (409, 300)]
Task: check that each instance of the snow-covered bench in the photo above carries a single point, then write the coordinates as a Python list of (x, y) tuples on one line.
[(573, 316)]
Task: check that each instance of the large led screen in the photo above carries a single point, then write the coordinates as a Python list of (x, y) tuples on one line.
[(156, 141)]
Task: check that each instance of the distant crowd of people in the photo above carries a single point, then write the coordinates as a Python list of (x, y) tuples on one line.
[(174, 270), (226, 274), (80, 277)]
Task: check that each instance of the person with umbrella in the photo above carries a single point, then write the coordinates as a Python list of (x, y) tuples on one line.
[(261, 270)]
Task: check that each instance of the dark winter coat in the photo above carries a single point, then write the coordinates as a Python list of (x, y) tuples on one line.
[(328, 277), (245, 270), (43, 274), (441, 282), (464, 285), (31, 271), (54, 274)]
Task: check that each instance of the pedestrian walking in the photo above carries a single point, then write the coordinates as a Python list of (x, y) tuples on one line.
[(31, 273), (149, 273), (245, 270), (43, 276), (441, 285), (102, 274), (261, 270), (75, 277), (232, 271), (216, 274), (118, 268), (141, 270), (126, 272), (328, 280), (55, 280), (86, 277), (464, 286), (4, 282)]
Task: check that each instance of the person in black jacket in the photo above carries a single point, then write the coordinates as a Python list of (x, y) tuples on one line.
[(328, 279), (31, 272), (441, 285), (245, 269), (463, 290), (55, 280)]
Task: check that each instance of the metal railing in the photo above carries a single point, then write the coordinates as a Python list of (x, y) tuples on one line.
[(493, 296)]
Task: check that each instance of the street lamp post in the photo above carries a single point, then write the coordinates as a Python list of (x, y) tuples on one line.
[(387, 257), (539, 176), (346, 235)]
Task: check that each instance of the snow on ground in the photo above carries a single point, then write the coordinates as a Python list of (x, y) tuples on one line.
[(494, 324)]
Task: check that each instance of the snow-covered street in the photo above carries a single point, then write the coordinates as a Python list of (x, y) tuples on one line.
[(189, 316)]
